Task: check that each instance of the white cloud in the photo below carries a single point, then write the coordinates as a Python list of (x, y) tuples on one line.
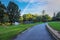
[(53, 6), (36, 6)]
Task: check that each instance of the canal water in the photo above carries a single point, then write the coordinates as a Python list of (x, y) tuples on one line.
[(38, 32)]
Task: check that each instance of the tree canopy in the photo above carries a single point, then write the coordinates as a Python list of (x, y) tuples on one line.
[(2, 8), (13, 12)]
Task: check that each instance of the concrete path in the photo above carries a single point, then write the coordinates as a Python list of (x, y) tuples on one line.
[(37, 32)]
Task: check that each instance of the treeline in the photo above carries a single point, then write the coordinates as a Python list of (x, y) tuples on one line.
[(10, 14), (29, 18)]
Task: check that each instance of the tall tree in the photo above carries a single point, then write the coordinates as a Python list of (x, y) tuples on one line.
[(54, 17), (58, 16), (2, 11), (14, 12), (43, 12)]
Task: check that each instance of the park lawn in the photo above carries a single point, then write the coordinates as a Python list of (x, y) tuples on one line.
[(55, 25), (8, 32)]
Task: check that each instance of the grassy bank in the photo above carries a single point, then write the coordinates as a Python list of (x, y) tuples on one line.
[(8, 32), (55, 25)]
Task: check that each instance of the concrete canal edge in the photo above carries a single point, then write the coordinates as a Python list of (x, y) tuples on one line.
[(53, 32)]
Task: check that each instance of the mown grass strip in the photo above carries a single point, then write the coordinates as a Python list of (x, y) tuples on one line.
[(8, 32), (55, 25)]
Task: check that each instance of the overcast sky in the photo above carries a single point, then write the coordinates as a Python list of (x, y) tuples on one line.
[(36, 6)]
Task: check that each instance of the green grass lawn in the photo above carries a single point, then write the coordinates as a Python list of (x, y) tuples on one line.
[(55, 25), (8, 32)]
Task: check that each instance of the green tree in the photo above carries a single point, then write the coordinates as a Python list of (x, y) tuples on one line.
[(54, 17), (27, 17), (30, 17), (47, 17), (58, 16), (2, 12), (14, 12), (43, 16), (24, 17), (43, 12), (36, 18), (21, 19)]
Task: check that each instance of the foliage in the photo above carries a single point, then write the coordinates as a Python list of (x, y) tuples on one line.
[(14, 12), (58, 16), (54, 17), (10, 14), (2, 12), (36, 18), (46, 18), (21, 19), (27, 17)]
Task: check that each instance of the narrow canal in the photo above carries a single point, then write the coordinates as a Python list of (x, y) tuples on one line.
[(38, 32)]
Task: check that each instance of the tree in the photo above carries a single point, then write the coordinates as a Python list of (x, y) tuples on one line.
[(47, 17), (43, 12), (13, 12), (31, 18), (24, 17), (58, 16), (27, 17), (54, 17), (2, 12), (36, 18), (43, 17), (21, 19)]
